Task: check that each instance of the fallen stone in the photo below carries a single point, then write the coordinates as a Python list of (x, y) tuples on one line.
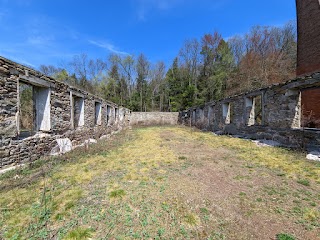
[(218, 132), (230, 130), (105, 137), (90, 141), (314, 156), (10, 168), (64, 145), (266, 143), (42, 135), (78, 146)]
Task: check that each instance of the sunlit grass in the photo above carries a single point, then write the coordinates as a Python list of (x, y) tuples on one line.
[(293, 164), (136, 160)]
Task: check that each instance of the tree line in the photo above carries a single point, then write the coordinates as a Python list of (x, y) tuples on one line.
[(204, 70)]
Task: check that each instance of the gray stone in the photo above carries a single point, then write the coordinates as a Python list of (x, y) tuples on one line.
[(2, 171), (230, 130), (90, 141), (64, 145), (314, 156), (105, 137), (266, 143)]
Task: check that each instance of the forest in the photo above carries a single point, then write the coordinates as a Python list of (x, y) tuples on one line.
[(203, 70)]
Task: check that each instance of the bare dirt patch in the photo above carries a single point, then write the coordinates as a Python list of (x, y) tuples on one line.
[(252, 201)]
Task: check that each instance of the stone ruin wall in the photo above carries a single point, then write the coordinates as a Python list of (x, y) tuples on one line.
[(154, 118), (56, 121), (281, 117), (290, 112)]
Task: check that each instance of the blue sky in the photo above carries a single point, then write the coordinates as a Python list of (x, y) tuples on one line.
[(36, 32)]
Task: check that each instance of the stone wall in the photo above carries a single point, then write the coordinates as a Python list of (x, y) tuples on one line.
[(154, 118), (55, 111), (280, 116), (308, 12)]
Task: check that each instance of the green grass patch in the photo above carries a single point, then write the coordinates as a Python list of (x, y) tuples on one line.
[(304, 182), (284, 236), (79, 233), (119, 193)]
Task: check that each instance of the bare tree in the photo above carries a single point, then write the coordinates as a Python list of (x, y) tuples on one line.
[(142, 68), (49, 70), (264, 56), (88, 71), (96, 69), (190, 59), (157, 75), (79, 66), (126, 65), (236, 44)]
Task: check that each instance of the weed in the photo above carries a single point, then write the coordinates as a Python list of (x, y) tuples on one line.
[(304, 182), (219, 235), (240, 177), (284, 236), (297, 210), (191, 219), (204, 210), (249, 166), (119, 193), (165, 207), (161, 232), (281, 174), (79, 233), (183, 231), (311, 214), (69, 205), (279, 210), (313, 204), (242, 194)]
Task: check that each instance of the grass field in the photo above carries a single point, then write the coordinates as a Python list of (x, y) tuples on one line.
[(164, 183)]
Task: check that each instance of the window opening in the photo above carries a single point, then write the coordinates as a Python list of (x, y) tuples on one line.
[(108, 113), (97, 119), (78, 111), (116, 113), (34, 109), (226, 113), (257, 110), (26, 111), (310, 107)]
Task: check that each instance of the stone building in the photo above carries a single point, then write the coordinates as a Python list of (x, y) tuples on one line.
[(272, 113), (59, 117)]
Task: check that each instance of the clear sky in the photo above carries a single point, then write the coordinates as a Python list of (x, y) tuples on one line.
[(36, 32)]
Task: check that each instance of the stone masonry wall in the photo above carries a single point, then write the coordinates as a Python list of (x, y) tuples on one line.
[(281, 109), (154, 118), (15, 149)]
